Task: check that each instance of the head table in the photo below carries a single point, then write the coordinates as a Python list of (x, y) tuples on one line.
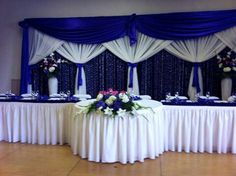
[(98, 138)]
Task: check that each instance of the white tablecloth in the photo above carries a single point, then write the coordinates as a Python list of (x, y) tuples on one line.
[(35, 123), (128, 139), (200, 128)]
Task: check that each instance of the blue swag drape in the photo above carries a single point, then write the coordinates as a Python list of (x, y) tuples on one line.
[(94, 30)]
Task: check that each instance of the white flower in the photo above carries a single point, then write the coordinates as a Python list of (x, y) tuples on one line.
[(51, 69), (136, 106), (52, 54), (121, 95), (112, 97), (227, 69), (109, 101), (121, 112), (108, 111), (220, 65), (99, 97), (54, 65), (125, 98), (234, 68)]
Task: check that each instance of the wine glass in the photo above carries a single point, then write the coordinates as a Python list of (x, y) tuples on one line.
[(62, 94), (176, 95), (208, 94), (168, 95), (68, 94)]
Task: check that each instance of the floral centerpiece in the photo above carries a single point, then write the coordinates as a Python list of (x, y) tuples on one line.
[(113, 103), (227, 64), (50, 66)]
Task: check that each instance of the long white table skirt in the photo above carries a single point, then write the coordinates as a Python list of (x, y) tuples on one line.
[(35, 123), (128, 139), (200, 129)]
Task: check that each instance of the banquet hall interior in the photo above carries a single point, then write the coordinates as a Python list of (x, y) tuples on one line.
[(113, 88)]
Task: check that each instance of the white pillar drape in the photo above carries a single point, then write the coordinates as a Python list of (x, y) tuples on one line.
[(142, 50), (80, 54), (196, 51), (40, 46)]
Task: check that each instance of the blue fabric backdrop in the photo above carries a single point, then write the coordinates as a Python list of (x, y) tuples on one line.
[(163, 73), (172, 26), (159, 74), (105, 71)]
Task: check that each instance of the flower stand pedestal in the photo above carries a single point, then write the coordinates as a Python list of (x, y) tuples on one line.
[(226, 88), (52, 85)]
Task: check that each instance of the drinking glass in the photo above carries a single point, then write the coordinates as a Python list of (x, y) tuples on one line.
[(168, 95), (208, 94), (176, 95), (62, 94)]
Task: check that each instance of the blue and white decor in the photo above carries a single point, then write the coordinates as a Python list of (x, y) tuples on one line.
[(132, 38)]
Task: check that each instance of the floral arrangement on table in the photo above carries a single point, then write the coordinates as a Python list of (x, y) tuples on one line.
[(227, 64), (50, 66), (113, 103)]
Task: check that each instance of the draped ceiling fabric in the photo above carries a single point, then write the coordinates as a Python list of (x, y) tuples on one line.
[(98, 30), (196, 51)]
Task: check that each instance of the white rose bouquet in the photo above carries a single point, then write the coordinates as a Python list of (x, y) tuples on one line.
[(113, 103), (50, 66), (227, 64)]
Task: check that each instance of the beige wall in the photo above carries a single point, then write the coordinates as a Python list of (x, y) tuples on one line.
[(13, 11)]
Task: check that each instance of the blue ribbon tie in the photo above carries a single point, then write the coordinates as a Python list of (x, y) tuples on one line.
[(131, 73), (80, 81), (195, 77)]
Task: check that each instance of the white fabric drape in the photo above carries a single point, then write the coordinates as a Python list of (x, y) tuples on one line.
[(41, 45), (80, 54), (133, 138), (143, 49), (36, 123), (228, 37), (196, 51), (200, 129)]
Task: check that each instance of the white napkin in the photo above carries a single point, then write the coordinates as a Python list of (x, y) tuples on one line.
[(211, 97), (26, 95), (82, 96), (180, 97), (145, 97)]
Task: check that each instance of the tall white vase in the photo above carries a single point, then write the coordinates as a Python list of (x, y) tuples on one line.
[(52, 85), (226, 88)]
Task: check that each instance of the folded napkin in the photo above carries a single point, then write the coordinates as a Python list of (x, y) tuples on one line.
[(82, 96), (149, 103), (54, 98), (57, 95), (179, 97), (232, 99), (145, 97), (210, 98), (5, 95), (26, 95), (85, 103)]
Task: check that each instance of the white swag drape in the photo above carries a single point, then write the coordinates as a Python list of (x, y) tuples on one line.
[(228, 37), (40, 46), (196, 51), (80, 54), (142, 50)]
